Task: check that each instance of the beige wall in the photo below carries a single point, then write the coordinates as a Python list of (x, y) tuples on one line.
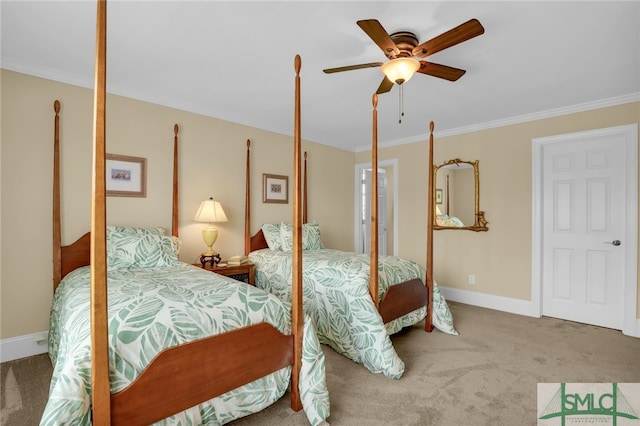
[(212, 155), (500, 258), (212, 164)]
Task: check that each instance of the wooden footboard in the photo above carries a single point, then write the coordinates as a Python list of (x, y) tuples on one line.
[(400, 299), (214, 365)]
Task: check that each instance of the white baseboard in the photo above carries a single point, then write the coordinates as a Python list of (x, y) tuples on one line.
[(632, 328), (483, 300), (513, 306), (23, 346)]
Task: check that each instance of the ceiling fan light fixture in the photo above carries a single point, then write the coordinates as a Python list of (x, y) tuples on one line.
[(400, 70)]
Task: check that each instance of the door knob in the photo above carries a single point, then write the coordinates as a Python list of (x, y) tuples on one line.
[(614, 242)]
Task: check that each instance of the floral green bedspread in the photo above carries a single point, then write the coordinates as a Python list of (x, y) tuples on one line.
[(154, 308), (336, 296)]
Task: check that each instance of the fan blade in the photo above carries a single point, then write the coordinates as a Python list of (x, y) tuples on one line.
[(385, 86), (463, 32), (353, 67), (440, 71), (380, 36)]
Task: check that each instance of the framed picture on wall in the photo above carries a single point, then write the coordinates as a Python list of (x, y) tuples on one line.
[(126, 176), (275, 188), (438, 196)]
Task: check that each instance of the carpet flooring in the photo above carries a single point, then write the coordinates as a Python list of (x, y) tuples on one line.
[(487, 375)]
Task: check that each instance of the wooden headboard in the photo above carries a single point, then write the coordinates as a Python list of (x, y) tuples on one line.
[(77, 254)]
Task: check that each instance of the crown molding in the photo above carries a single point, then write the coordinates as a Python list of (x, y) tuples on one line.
[(551, 113)]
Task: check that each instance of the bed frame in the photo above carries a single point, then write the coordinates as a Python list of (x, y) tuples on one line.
[(399, 299), (226, 361)]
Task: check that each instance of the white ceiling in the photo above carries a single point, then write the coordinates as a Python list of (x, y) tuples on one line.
[(234, 60)]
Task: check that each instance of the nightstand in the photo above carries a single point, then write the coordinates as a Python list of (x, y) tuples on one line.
[(244, 272)]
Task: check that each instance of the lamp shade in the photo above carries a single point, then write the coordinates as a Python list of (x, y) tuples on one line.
[(210, 211), (400, 70)]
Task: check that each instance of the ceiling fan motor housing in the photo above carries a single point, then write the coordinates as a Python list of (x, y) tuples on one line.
[(406, 42)]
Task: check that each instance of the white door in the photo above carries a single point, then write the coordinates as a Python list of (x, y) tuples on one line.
[(382, 212), (585, 232)]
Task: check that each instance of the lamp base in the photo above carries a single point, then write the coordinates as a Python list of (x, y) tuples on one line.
[(213, 259)]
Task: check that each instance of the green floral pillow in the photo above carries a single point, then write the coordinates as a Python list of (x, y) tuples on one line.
[(271, 233), (310, 236), (131, 250), (111, 230), (136, 230)]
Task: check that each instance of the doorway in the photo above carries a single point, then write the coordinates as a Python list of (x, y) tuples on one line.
[(387, 207), (585, 214)]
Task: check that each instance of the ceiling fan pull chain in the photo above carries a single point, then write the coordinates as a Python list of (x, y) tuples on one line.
[(401, 104)]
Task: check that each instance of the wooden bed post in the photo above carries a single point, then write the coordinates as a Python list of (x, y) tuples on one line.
[(100, 392), (247, 203), (174, 209), (297, 320), (428, 326), (373, 285), (305, 200), (57, 237)]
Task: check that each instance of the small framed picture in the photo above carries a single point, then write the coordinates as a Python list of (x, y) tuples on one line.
[(275, 188), (126, 176), (438, 196)]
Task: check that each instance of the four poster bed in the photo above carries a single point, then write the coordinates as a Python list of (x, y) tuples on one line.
[(355, 307), (173, 341)]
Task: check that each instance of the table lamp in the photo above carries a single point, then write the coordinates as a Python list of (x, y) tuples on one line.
[(210, 211)]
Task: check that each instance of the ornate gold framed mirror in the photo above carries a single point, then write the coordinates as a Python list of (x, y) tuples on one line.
[(456, 196)]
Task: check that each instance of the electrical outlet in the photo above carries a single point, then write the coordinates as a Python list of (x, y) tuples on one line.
[(40, 338), (472, 279)]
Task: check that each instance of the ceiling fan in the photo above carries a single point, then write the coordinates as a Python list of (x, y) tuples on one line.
[(402, 48)]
